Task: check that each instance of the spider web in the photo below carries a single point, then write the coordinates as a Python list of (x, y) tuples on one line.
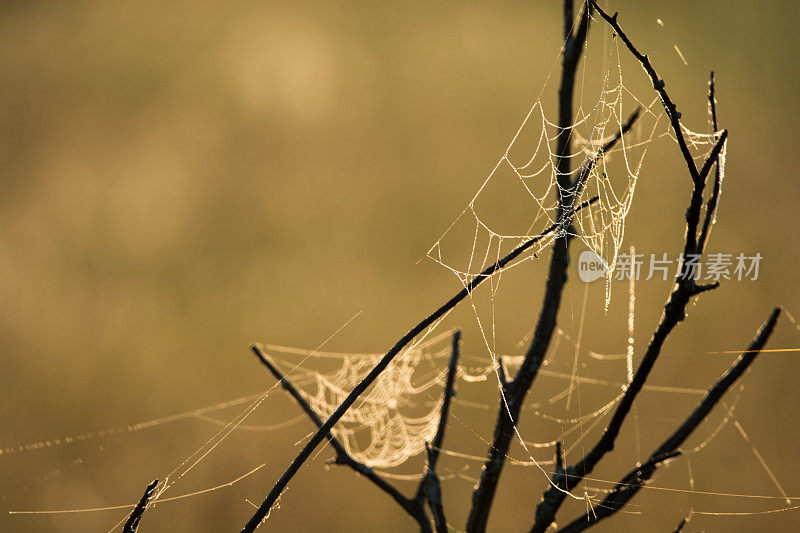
[(518, 199), (388, 424)]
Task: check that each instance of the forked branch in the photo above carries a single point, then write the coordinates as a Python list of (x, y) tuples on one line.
[(362, 386), (514, 391), (342, 456), (683, 291), (630, 485), (429, 488)]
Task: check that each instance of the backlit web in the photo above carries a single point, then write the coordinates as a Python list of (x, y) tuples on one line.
[(518, 199), (389, 423)]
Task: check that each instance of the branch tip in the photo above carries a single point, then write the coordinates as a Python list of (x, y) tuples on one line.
[(559, 458), (136, 515), (630, 485)]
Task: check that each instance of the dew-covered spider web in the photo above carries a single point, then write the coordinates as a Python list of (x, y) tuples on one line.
[(519, 197), (389, 426)]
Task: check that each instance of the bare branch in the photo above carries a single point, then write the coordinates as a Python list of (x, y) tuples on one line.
[(559, 457), (712, 101), (574, 41), (630, 485), (449, 392), (515, 391), (430, 487), (712, 157), (713, 200), (698, 177), (362, 386), (696, 202), (658, 85), (136, 516), (674, 312), (623, 130), (697, 289), (568, 15), (502, 372)]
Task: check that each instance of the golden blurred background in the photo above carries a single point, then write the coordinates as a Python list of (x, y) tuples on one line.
[(181, 179)]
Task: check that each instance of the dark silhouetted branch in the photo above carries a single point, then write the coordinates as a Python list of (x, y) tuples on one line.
[(693, 213), (502, 372), (623, 130), (515, 391), (679, 528), (574, 41), (362, 386), (713, 200), (674, 312), (658, 85), (697, 289), (449, 392), (630, 485), (430, 488), (136, 516), (559, 456), (712, 101), (431, 491)]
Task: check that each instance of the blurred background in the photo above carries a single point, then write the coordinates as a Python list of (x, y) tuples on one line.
[(178, 180)]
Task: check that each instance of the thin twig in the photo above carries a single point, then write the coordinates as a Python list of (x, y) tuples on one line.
[(694, 245), (711, 206), (431, 491), (502, 372), (583, 175), (449, 393), (280, 485), (136, 516), (630, 485), (574, 41), (679, 528), (430, 486), (658, 85), (559, 457), (623, 130)]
